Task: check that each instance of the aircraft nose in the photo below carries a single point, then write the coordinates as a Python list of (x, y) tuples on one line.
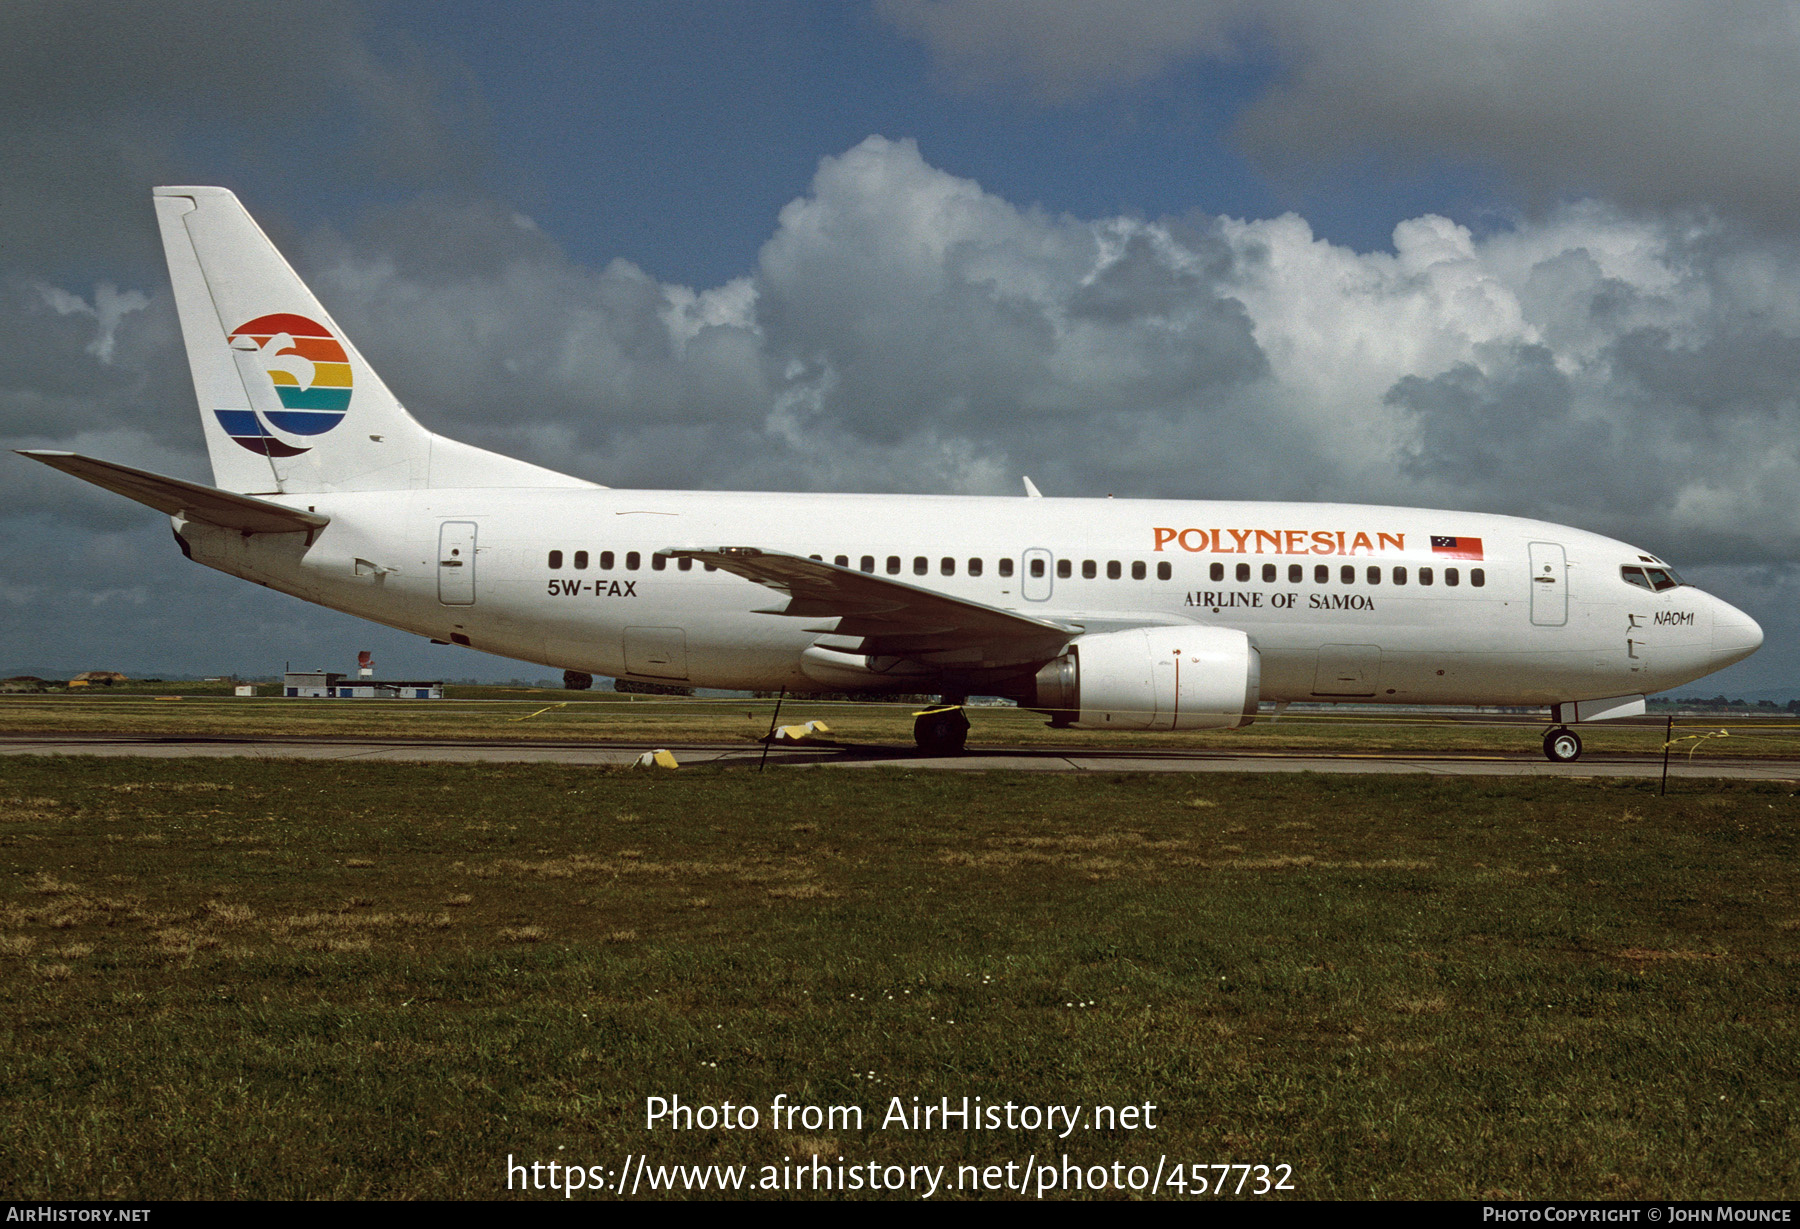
[(1735, 635)]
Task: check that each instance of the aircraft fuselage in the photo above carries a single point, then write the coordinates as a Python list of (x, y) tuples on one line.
[(1344, 602)]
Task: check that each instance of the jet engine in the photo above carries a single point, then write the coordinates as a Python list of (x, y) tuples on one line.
[(1154, 678)]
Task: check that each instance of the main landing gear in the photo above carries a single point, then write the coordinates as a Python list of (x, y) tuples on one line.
[(942, 730), (1562, 745)]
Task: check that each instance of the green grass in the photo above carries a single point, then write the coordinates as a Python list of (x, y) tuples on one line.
[(280, 979), (522, 714)]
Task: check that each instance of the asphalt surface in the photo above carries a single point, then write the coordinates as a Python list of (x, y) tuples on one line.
[(980, 759)]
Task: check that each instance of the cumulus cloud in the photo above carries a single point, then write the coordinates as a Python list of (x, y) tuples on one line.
[(905, 330), (108, 309), (1655, 102)]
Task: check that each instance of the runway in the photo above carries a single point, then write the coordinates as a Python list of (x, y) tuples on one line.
[(831, 755)]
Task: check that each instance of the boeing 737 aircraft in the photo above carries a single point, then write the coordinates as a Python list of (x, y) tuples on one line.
[(1106, 614)]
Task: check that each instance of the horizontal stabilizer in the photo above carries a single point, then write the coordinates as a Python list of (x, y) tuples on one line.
[(189, 500)]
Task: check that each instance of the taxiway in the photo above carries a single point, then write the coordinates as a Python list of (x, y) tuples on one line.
[(976, 759)]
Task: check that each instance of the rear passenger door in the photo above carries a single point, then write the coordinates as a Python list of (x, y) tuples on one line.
[(456, 563)]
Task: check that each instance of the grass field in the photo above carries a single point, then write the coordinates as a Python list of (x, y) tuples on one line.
[(284, 979), (520, 714)]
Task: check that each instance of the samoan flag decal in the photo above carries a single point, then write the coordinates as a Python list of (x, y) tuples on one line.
[(1456, 548)]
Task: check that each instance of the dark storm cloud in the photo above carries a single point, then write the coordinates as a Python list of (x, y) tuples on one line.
[(99, 101), (1654, 103), (1651, 102), (1062, 50), (102, 99)]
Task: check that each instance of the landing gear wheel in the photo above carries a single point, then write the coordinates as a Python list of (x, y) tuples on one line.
[(941, 731), (1562, 746)]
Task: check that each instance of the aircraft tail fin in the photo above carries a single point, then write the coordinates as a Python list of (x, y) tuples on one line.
[(287, 402)]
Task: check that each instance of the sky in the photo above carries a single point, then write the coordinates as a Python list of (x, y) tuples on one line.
[(1534, 258)]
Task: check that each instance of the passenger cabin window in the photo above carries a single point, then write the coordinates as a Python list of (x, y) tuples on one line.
[(632, 560), (1064, 568), (1321, 573), (974, 567), (1452, 577), (842, 561), (1137, 569), (1348, 574), (867, 563), (1295, 573), (1243, 571), (893, 565), (685, 564), (1217, 571), (581, 561), (1088, 571), (659, 562), (556, 559), (1037, 568), (1478, 577), (1399, 576), (947, 566), (1006, 566), (921, 565), (1374, 575), (1424, 576), (1164, 571), (1268, 573)]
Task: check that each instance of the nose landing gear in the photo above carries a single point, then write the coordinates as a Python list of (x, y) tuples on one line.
[(1562, 745)]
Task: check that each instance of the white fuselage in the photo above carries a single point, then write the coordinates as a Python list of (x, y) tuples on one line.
[(1333, 595)]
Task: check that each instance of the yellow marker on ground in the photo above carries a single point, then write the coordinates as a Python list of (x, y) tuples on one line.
[(800, 733), (657, 759)]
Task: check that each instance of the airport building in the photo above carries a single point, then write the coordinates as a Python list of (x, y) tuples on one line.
[(323, 685)]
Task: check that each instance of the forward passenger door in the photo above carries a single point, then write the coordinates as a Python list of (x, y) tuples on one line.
[(1549, 585)]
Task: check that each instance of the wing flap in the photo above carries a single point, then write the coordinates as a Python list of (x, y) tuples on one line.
[(189, 500)]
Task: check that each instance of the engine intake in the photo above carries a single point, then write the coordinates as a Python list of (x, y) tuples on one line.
[(1154, 678)]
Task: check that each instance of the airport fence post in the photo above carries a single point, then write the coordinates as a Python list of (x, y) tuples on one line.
[(1668, 737), (764, 761)]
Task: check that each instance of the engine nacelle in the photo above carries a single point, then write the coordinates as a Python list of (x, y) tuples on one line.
[(1155, 678)]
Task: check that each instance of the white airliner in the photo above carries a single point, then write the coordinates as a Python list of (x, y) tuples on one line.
[(1109, 614)]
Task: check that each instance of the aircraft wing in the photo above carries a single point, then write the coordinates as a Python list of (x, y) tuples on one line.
[(890, 616), (184, 499)]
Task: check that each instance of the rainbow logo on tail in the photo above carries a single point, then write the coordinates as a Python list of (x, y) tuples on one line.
[(310, 374)]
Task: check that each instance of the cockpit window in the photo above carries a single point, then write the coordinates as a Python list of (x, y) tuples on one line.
[(1654, 579)]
